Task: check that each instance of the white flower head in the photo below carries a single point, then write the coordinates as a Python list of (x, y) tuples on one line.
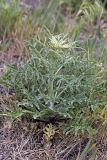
[(60, 41)]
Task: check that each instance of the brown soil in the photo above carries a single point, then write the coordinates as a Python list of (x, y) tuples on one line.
[(26, 141)]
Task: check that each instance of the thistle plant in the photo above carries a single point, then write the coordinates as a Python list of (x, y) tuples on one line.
[(57, 80)]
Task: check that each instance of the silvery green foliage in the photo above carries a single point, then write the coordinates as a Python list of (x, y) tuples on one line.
[(57, 81)]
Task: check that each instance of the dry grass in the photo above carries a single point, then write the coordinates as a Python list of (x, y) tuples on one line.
[(25, 141)]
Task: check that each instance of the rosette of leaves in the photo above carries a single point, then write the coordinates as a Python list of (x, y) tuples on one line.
[(57, 82)]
